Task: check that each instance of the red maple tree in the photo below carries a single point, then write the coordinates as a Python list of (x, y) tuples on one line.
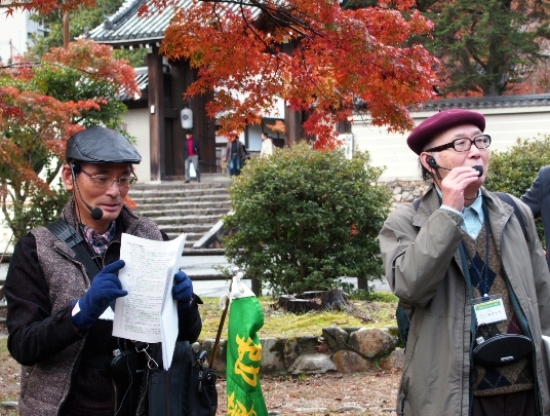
[(316, 56), (319, 58), (41, 106)]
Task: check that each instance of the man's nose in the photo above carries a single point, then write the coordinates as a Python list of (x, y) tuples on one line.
[(474, 152), (114, 188)]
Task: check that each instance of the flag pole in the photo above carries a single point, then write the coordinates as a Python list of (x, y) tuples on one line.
[(220, 328)]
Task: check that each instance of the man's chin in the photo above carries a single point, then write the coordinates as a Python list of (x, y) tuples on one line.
[(110, 214)]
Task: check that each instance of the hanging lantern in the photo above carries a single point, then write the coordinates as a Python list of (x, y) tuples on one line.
[(186, 116)]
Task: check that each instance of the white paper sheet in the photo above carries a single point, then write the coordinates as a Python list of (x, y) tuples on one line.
[(547, 346), (148, 313)]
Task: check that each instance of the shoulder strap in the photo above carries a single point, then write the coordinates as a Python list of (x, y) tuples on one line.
[(75, 242), (508, 199), (65, 233)]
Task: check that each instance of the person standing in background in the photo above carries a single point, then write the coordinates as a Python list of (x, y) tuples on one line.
[(537, 198), (267, 146), (191, 155), (234, 155)]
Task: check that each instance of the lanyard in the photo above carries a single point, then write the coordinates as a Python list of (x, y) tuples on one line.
[(483, 281)]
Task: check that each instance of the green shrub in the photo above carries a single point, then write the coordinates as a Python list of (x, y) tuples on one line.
[(304, 217), (514, 170)]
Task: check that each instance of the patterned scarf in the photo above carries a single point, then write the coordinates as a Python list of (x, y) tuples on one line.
[(99, 242)]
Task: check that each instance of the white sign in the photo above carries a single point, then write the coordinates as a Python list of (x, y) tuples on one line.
[(347, 144)]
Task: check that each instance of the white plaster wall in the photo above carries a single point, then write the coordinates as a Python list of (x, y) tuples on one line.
[(390, 149), (137, 124), (15, 29)]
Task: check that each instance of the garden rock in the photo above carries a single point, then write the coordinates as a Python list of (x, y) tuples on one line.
[(312, 363), (373, 342), (347, 361)]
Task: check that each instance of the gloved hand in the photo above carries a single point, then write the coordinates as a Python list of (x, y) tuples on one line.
[(104, 289), (183, 289)]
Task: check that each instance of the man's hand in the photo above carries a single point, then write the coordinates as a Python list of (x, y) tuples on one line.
[(105, 288), (183, 289), (454, 185)]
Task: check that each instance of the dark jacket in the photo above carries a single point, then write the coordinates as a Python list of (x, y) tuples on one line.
[(43, 280), (186, 149), (241, 151), (537, 198)]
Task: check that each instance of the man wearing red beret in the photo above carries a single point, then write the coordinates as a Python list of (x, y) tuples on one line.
[(474, 281)]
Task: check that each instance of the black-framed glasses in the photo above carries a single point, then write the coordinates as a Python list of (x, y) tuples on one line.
[(105, 181), (483, 141)]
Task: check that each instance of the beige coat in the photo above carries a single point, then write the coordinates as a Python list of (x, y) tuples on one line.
[(420, 251)]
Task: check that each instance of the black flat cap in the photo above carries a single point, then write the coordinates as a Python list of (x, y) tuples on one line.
[(439, 122), (101, 145)]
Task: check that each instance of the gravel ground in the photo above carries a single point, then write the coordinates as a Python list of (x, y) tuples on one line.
[(369, 393)]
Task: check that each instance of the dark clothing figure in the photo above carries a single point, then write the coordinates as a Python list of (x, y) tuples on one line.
[(537, 198), (191, 155), (235, 155)]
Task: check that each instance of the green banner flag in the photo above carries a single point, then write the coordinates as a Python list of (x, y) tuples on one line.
[(244, 353)]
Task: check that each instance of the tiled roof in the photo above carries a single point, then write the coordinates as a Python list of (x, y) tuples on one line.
[(142, 78), (502, 101), (470, 103), (126, 28)]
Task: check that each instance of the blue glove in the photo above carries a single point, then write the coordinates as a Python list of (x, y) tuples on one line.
[(183, 289), (104, 289)]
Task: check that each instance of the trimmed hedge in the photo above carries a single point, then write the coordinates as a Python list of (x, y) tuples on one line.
[(304, 217)]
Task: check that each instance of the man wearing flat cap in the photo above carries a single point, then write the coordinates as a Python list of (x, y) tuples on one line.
[(62, 283), (473, 280)]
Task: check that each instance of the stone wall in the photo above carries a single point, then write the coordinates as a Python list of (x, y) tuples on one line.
[(407, 191), (345, 350)]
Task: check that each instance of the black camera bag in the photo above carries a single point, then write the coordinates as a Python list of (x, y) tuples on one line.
[(187, 388)]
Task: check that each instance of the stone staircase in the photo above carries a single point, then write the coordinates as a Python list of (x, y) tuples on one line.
[(178, 207)]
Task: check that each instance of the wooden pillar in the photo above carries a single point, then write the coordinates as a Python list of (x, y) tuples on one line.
[(343, 126), (205, 130), (156, 113), (178, 71), (293, 126)]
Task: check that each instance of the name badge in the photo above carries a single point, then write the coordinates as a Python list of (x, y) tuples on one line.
[(489, 310)]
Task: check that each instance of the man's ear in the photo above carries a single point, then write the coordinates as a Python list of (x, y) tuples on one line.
[(67, 177), (425, 161)]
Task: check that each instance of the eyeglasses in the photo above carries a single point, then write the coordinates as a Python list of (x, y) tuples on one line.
[(483, 141), (105, 181)]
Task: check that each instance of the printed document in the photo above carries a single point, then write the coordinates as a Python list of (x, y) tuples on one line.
[(546, 341), (149, 313)]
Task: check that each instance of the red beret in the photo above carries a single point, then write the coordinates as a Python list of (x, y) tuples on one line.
[(438, 123)]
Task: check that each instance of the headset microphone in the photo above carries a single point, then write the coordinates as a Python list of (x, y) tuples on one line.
[(97, 213), (479, 169), (431, 161)]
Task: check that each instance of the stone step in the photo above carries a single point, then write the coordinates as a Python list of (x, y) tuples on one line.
[(178, 207), (209, 220), (185, 228), (148, 193), (192, 237), (172, 185), (208, 211), (190, 251), (177, 199), (184, 207)]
